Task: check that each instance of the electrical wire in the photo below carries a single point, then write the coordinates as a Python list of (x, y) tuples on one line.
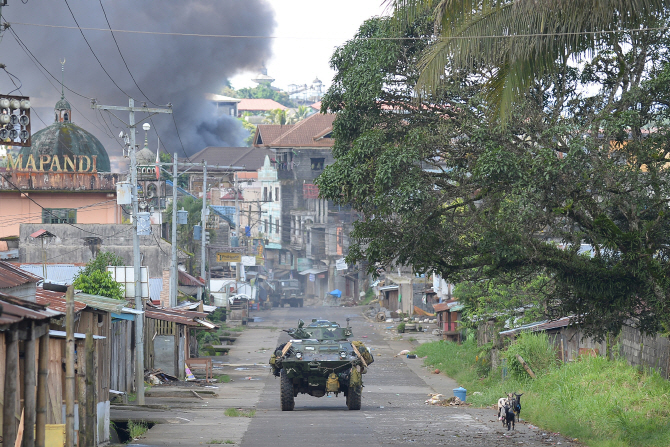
[(93, 52), (41, 67), (27, 50), (311, 38), (6, 177), (11, 78), (121, 54), (179, 136)]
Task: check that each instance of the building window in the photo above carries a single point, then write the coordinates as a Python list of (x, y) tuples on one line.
[(266, 226), (265, 194), (59, 215), (317, 163), (276, 194)]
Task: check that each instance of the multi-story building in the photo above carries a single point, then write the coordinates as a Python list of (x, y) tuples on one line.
[(314, 233)]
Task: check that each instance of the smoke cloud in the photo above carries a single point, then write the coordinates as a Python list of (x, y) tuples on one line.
[(169, 69)]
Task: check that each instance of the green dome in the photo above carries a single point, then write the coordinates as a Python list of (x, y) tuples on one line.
[(62, 104), (66, 138)]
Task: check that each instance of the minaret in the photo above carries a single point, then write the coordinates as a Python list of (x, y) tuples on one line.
[(63, 110)]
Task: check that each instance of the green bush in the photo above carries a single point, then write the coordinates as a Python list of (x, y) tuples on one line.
[(401, 328), (536, 350)]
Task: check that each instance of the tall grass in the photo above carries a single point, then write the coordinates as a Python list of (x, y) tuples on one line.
[(603, 403)]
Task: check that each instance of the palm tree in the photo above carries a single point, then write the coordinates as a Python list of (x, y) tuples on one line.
[(522, 40), (277, 116)]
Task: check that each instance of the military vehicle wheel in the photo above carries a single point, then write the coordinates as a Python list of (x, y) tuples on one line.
[(354, 398), (286, 393)]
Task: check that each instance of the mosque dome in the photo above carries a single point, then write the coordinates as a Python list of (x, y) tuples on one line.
[(64, 138), (145, 157)]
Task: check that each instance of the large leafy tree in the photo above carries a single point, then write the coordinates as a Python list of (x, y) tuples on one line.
[(523, 40), (573, 186)]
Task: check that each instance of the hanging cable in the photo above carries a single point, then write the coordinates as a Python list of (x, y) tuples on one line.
[(93, 52)]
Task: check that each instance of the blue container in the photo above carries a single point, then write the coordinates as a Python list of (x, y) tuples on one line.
[(460, 393)]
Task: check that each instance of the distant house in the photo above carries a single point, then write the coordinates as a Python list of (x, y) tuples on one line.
[(258, 106), (448, 320), (225, 105)]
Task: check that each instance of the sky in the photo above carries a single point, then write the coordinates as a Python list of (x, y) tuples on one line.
[(307, 32), (155, 56)]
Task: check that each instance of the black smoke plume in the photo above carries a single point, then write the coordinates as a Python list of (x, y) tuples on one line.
[(168, 68)]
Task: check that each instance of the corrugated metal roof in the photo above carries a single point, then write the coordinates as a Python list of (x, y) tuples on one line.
[(163, 316), (10, 254), (55, 300), (13, 276), (101, 302), (451, 306), (539, 326), (58, 273), (63, 334), (15, 310), (155, 288)]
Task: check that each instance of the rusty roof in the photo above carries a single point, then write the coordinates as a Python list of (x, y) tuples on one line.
[(55, 300), (15, 310), (12, 276), (446, 306), (266, 133), (159, 314), (313, 131), (188, 280)]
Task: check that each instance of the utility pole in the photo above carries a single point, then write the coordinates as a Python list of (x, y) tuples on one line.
[(203, 239), (237, 226), (139, 319), (173, 277)]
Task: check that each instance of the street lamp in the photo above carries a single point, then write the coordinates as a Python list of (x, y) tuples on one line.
[(146, 127)]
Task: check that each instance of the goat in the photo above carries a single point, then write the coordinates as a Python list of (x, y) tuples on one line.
[(509, 417), (501, 405), (516, 406)]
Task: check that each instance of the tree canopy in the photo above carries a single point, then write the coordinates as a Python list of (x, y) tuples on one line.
[(572, 186), (96, 280), (522, 40)]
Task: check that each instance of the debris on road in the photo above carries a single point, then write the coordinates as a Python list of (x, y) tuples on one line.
[(438, 399), (403, 352)]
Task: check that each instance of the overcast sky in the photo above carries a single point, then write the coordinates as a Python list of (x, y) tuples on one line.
[(307, 32)]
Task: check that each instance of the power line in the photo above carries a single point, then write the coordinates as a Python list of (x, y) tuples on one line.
[(40, 68), (11, 78), (93, 52), (121, 54), (234, 36), (27, 50), (179, 136), (51, 213)]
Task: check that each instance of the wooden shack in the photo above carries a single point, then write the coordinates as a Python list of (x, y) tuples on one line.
[(25, 348), (448, 320)]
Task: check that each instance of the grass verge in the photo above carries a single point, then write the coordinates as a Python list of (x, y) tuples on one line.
[(603, 403), (239, 413)]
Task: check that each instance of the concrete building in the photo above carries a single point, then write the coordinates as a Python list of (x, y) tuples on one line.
[(314, 233)]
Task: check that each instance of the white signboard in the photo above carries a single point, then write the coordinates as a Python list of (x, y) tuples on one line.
[(341, 264), (249, 260), (126, 276)]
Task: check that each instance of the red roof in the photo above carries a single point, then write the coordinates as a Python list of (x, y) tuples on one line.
[(187, 280), (310, 132), (316, 106), (12, 276), (55, 300), (259, 105), (40, 233), (15, 310), (444, 306)]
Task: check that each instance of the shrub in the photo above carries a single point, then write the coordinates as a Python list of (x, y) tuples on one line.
[(536, 350), (401, 328)]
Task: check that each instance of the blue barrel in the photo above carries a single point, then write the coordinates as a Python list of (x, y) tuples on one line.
[(460, 393)]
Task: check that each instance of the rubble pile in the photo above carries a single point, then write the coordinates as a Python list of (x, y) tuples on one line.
[(438, 399)]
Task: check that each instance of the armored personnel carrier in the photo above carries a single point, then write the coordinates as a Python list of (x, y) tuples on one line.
[(319, 360)]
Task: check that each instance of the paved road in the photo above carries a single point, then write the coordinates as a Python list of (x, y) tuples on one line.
[(393, 411)]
